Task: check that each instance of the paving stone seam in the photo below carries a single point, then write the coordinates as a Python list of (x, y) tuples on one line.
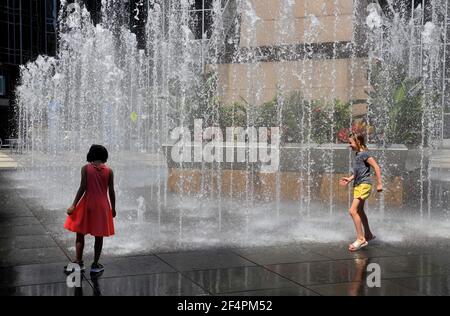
[(382, 278), (330, 259), (282, 276), (395, 281), (31, 284), (183, 274), (230, 267), (267, 289), (361, 282), (26, 248), (9, 266), (134, 275)]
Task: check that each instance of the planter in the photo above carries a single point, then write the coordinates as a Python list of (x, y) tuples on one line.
[(292, 177)]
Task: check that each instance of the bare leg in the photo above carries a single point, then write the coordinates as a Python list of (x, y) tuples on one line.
[(98, 248), (357, 283), (79, 246), (365, 222), (357, 219)]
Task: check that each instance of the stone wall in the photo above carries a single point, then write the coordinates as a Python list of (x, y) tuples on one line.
[(263, 186), (317, 77), (290, 181)]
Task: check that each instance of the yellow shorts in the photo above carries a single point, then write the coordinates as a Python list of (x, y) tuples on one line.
[(362, 191)]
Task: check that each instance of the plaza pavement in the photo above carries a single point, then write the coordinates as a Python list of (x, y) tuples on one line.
[(32, 261)]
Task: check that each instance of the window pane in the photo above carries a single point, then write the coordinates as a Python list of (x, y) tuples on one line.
[(447, 61), (4, 37), (196, 23), (51, 44), (201, 22), (208, 22), (2, 86), (447, 126)]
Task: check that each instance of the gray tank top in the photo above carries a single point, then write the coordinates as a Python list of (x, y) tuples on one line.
[(361, 168)]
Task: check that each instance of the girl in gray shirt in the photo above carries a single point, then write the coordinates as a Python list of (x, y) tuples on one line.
[(362, 187)]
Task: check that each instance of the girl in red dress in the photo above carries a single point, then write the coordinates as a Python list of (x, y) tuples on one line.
[(91, 212)]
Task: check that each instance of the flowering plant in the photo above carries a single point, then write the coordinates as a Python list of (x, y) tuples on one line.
[(357, 127)]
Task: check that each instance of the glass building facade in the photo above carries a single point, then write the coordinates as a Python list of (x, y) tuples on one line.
[(28, 29)]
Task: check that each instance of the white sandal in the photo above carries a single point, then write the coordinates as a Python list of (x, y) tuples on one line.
[(357, 245)]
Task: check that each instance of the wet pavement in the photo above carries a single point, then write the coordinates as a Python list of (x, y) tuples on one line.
[(32, 258)]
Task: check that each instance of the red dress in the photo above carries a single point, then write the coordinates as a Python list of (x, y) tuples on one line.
[(93, 213)]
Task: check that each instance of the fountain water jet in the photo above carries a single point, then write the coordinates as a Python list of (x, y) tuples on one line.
[(101, 88)]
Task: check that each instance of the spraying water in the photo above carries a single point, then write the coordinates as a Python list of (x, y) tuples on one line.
[(101, 87)]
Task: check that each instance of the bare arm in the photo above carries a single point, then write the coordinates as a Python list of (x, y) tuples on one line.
[(346, 180), (112, 193), (377, 169), (80, 192)]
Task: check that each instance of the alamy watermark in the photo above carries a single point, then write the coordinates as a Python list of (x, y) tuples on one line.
[(373, 278), (74, 275), (241, 144)]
